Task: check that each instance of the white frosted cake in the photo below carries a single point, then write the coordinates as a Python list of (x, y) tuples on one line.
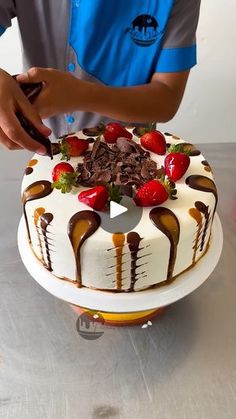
[(65, 229)]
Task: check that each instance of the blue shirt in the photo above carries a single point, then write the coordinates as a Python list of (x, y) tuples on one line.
[(114, 42)]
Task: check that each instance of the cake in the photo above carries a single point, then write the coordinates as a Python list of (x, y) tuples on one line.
[(65, 228)]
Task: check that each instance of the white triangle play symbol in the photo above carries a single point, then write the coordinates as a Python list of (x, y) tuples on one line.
[(116, 209)]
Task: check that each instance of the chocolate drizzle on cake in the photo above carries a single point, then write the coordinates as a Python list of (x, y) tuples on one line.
[(45, 221), (206, 165), (36, 190), (204, 184), (175, 137), (205, 211), (80, 227), (119, 241), (196, 213), (133, 240), (37, 214), (125, 163), (197, 216), (29, 169), (167, 222)]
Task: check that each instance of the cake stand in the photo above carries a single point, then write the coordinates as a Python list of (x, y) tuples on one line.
[(124, 308)]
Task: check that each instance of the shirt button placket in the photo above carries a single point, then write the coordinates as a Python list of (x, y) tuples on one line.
[(76, 3), (70, 119), (71, 68)]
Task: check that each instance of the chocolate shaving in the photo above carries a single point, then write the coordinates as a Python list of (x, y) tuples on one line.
[(125, 164)]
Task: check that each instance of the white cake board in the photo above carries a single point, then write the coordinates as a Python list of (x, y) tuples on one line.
[(123, 302)]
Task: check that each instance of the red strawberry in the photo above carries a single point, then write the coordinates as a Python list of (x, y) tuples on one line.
[(113, 130), (96, 198), (176, 165), (151, 193), (73, 147), (64, 177), (154, 141)]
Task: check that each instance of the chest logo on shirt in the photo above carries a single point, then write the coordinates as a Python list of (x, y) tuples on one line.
[(143, 30)]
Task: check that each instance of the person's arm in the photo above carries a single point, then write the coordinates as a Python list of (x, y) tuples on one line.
[(12, 135), (156, 101)]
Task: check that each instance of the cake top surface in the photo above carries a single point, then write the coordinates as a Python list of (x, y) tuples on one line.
[(122, 168)]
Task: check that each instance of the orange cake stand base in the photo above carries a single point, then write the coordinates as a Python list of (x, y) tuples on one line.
[(122, 319)]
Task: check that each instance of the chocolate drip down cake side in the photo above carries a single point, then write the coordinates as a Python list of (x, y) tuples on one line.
[(64, 201)]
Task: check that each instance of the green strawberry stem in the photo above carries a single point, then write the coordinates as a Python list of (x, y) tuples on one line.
[(169, 185), (65, 182), (180, 148), (65, 150), (140, 131), (114, 193)]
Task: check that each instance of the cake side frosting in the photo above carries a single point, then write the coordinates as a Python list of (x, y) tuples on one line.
[(67, 237)]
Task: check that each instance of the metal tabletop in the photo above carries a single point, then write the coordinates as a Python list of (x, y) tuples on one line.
[(183, 366)]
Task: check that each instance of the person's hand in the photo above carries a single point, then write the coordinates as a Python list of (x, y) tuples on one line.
[(59, 90), (12, 100)]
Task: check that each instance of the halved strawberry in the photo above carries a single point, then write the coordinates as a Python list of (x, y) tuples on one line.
[(176, 165), (151, 193), (96, 197), (113, 130), (154, 141), (73, 147), (64, 177)]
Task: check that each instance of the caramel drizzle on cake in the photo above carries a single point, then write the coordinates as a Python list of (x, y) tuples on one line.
[(202, 208), (36, 190), (204, 184), (37, 214), (80, 227), (45, 221), (206, 165), (29, 169), (197, 216), (167, 222), (133, 240), (42, 220), (118, 241)]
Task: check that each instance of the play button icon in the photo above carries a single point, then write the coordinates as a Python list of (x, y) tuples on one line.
[(121, 218), (116, 209)]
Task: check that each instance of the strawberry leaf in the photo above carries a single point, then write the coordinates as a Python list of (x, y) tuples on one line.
[(170, 186), (65, 182), (140, 131), (180, 148), (65, 150), (114, 193)]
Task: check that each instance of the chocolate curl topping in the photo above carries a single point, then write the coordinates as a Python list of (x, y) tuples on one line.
[(125, 163)]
